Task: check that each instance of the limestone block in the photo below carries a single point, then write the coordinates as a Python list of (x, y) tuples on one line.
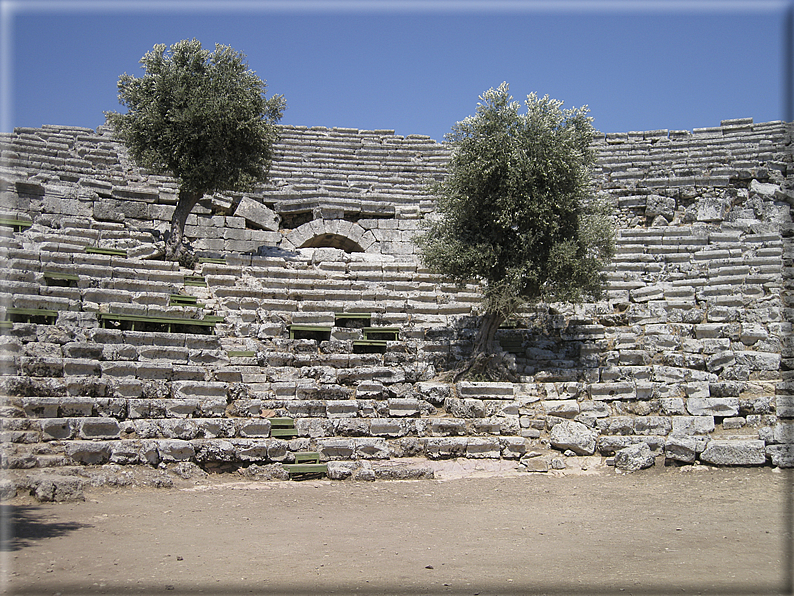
[(216, 427), (782, 456), (88, 452), (634, 457), (56, 429), (783, 432), (567, 408), (764, 189), (764, 361), (181, 408), (212, 407), (40, 407), (710, 209), (314, 427), (644, 294), (612, 391), (608, 445), (371, 448), (335, 448), (720, 360), (434, 393), (125, 452), (747, 452), (193, 389), (341, 408), (692, 425), (464, 408), (246, 450), (351, 427), (438, 427), (76, 406), (445, 447), (705, 330), (483, 448), (387, 427), (751, 333), (681, 448), (533, 463), (672, 406), (180, 428), (485, 390), (255, 428), (574, 436), (513, 447), (404, 407), (77, 349), (173, 450), (99, 428), (713, 406), (57, 488), (597, 409), (658, 205)]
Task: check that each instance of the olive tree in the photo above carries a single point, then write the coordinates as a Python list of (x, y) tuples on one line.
[(202, 117), (515, 209)]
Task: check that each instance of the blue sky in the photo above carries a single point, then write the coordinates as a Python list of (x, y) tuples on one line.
[(415, 66)]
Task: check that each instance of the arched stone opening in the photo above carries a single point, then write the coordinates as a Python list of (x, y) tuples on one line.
[(332, 241), (335, 233)]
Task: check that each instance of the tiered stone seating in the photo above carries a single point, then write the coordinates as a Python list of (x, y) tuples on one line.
[(687, 353)]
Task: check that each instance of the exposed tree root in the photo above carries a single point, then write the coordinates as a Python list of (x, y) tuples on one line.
[(487, 367)]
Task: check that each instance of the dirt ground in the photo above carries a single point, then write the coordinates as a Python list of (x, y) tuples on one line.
[(691, 530)]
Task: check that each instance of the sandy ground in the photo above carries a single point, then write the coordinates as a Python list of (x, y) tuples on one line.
[(692, 530)]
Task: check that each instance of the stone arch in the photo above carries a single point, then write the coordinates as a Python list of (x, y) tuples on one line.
[(332, 233), (332, 241)]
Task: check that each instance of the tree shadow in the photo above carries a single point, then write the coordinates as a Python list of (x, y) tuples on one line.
[(23, 525)]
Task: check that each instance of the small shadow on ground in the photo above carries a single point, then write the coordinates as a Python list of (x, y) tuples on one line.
[(24, 524)]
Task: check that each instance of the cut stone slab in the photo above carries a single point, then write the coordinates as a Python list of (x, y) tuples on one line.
[(635, 457), (681, 448), (713, 406), (258, 214), (575, 436), (750, 452), (58, 489)]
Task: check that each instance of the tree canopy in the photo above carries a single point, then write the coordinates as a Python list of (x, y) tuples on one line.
[(200, 116), (515, 207)]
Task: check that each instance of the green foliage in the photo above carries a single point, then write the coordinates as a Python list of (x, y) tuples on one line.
[(515, 207), (201, 116)]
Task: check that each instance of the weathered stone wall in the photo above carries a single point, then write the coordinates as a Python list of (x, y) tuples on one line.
[(687, 356), (372, 179)]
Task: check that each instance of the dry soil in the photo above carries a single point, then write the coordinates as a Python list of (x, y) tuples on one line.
[(693, 530)]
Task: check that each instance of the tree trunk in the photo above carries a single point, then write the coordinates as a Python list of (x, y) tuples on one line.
[(174, 247), (487, 359), (485, 341)]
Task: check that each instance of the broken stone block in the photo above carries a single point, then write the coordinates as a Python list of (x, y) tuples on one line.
[(53, 488), (258, 214), (172, 450), (574, 436), (88, 452), (635, 457), (99, 428), (681, 448)]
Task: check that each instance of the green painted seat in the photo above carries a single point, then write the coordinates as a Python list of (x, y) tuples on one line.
[(381, 333), (56, 278), (31, 315), (114, 252), (318, 332), (282, 427), (167, 324), (18, 225)]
